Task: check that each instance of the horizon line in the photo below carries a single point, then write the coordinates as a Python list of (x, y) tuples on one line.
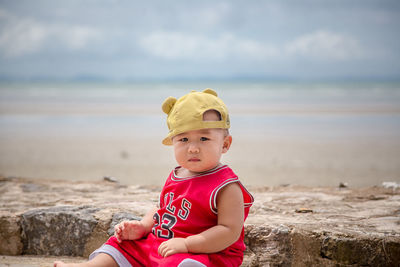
[(103, 79)]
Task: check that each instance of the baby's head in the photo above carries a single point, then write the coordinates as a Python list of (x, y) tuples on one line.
[(198, 124), (195, 111)]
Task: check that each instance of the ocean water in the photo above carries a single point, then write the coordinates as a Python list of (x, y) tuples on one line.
[(353, 120)]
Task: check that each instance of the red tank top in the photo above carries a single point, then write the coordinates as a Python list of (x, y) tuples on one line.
[(188, 206)]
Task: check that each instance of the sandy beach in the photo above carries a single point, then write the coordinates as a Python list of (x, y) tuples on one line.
[(145, 161), (281, 135)]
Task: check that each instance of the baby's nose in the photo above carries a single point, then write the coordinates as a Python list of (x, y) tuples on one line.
[(193, 148)]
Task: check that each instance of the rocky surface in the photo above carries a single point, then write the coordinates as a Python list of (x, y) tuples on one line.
[(287, 226), (46, 231)]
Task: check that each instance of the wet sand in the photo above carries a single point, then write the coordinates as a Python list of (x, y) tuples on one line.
[(258, 160)]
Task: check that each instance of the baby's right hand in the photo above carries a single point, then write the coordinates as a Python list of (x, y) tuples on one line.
[(129, 230)]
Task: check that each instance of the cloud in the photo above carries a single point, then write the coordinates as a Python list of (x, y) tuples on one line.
[(319, 45), (183, 46), (205, 16), (324, 45), (21, 36), (76, 37)]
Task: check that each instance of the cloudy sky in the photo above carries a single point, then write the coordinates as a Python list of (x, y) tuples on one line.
[(184, 39)]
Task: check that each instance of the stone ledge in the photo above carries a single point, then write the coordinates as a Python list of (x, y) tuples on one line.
[(36, 261), (288, 226)]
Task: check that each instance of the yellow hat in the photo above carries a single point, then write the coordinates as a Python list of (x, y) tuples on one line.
[(186, 113)]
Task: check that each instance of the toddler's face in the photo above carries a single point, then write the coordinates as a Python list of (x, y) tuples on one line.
[(200, 150)]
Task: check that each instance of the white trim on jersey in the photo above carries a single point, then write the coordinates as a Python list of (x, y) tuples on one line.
[(176, 178), (214, 194), (249, 204)]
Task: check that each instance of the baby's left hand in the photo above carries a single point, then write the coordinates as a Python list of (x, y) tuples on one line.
[(172, 246)]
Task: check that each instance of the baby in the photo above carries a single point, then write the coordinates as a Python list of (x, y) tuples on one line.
[(202, 206)]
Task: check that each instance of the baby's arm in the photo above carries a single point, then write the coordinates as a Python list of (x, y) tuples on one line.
[(225, 233), (132, 230)]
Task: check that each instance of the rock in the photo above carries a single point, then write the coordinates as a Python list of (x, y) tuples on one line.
[(124, 154), (351, 227), (100, 233), (31, 187), (10, 235), (282, 246), (303, 210), (364, 252), (306, 249), (110, 179), (268, 246), (58, 230)]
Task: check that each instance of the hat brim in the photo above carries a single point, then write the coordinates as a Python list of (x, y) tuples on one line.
[(167, 141)]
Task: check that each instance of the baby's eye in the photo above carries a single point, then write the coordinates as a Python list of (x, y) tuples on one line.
[(204, 139), (184, 139)]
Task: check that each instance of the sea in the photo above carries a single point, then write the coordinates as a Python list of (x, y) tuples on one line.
[(306, 133)]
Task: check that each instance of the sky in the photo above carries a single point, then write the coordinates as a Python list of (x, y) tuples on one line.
[(122, 40)]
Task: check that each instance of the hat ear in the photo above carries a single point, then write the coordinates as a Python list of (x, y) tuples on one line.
[(168, 104), (210, 91)]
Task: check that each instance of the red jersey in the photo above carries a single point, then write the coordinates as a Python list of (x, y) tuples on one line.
[(188, 206)]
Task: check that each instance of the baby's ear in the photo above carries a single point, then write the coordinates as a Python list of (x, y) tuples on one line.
[(168, 104)]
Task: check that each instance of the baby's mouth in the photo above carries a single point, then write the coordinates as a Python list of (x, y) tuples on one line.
[(194, 159)]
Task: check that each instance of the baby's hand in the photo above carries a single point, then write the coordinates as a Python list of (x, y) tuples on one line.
[(172, 246), (129, 230)]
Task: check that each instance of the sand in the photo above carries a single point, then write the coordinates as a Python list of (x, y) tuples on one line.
[(282, 134), (258, 160)]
